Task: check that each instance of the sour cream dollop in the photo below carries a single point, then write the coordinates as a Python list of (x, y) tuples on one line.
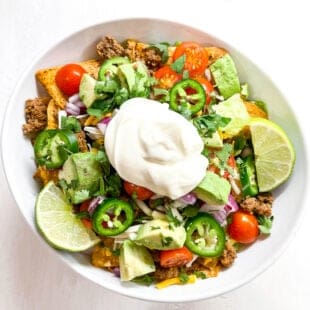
[(152, 146)]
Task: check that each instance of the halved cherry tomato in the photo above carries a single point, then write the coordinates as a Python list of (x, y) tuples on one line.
[(196, 60), (68, 78), (140, 192), (208, 87), (166, 77), (243, 227), (175, 258), (84, 207)]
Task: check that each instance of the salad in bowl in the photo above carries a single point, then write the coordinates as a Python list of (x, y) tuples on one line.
[(155, 160)]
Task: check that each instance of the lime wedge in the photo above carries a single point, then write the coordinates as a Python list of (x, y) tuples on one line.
[(58, 224), (274, 154)]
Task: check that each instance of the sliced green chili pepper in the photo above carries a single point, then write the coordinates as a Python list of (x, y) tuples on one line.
[(53, 146), (187, 93), (109, 67), (247, 176), (112, 217), (204, 235)]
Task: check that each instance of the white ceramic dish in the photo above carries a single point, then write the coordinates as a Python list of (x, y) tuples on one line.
[(19, 166)]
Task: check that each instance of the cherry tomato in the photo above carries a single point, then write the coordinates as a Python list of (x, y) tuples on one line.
[(243, 227), (140, 192), (166, 77), (84, 207), (231, 162), (196, 57), (68, 78)]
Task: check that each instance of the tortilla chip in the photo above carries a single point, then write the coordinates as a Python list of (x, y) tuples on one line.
[(215, 53), (254, 110), (52, 115), (47, 78)]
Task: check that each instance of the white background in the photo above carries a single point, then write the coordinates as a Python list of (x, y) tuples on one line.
[(272, 33)]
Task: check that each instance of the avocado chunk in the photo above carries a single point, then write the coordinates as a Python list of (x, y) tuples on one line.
[(235, 109), (82, 173), (135, 75), (161, 235), (214, 141), (225, 75), (134, 261), (213, 189), (87, 90)]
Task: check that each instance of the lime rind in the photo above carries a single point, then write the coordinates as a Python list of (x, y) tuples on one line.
[(58, 224), (274, 154)]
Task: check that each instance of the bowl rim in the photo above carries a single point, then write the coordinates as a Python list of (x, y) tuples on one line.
[(123, 290)]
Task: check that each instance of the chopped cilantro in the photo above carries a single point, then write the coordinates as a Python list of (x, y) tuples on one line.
[(155, 227), (70, 123), (178, 64), (116, 252), (200, 275), (265, 224), (208, 124), (190, 211), (183, 276), (144, 280), (163, 48), (82, 215), (172, 219), (166, 241)]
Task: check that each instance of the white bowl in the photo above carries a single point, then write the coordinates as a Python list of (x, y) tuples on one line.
[(289, 203)]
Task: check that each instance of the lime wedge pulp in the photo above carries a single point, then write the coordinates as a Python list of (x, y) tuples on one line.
[(58, 224), (274, 154)]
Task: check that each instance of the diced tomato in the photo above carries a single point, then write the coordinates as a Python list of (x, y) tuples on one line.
[(175, 258), (231, 162), (208, 87), (68, 78), (166, 77), (196, 60), (140, 192), (84, 208)]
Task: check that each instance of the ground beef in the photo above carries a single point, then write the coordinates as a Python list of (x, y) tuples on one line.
[(162, 274), (228, 255), (82, 141), (261, 205), (140, 51), (36, 116), (108, 47)]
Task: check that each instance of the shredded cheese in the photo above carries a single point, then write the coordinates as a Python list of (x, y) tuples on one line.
[(163, 284)]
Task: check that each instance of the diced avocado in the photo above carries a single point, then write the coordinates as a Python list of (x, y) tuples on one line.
[(87, 90), (161, 235), (84, 171), (215, 141), (135, 74), (213, 189), (134, 261), (129, 74), (225, 75), (235, 109)]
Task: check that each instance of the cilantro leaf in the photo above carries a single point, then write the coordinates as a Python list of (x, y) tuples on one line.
[(166, 241), (163, 48), (190, 211), (208, 124), (200, 275), (144, 280), (183, 276), (70, 123), (178, 64), (172, 219), (265, 224)]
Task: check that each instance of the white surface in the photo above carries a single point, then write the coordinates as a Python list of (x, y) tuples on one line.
[(270, 34)]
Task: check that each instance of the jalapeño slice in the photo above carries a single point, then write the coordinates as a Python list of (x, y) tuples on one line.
[(109, 67), (187, 93), (53, 146), (205, 236), (112, 217)]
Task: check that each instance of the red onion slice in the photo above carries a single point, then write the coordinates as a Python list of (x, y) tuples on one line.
[(94, 203), (74, 98), (189, 198)]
